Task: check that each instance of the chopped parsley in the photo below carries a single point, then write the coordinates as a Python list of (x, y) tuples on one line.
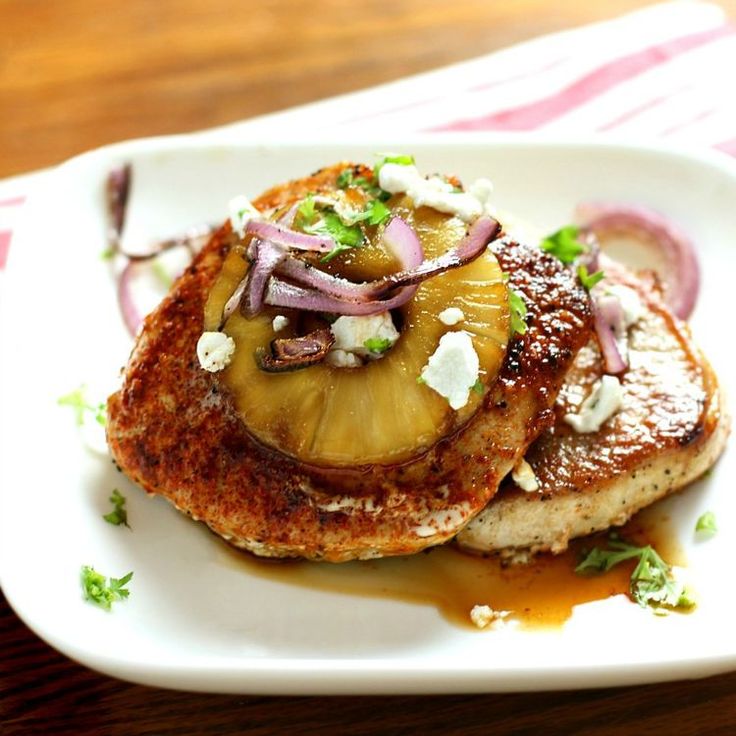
[(118, 515), (306, 212), (101, 591), (589, 280), (517, 313), (478, 387), (652, 582), (77, 401), (420, 380), (707, 523), (345, 178), (564, 244), (377, 345), (374, 213), (345, 236)]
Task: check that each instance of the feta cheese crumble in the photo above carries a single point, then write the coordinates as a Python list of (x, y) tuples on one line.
[(433, 192), (242, 210), (631, 305), (485, 616), (279, 322), (524, 477), (352, 334), (451, 316), (215, 351), (601, 404), (452, 370)]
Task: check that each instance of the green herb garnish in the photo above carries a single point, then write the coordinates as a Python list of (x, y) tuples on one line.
[(345, 178), (77, 401), (420, 380), (589, 280), (374, 213), (564, 244), (707, 523), (345, 236), (306, 212), (477, 387), (118, 515), (517, 313), (101, 591), (652, 582), (378, 345)]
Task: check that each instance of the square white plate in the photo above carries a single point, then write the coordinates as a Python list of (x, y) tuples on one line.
[(192, 620)]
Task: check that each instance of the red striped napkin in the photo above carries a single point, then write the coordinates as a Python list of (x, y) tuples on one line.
[(660, 73)]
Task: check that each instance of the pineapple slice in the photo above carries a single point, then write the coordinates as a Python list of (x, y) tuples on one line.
[(379, 413)]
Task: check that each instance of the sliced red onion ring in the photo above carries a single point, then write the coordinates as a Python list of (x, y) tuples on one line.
[(131, 315), (608, 316), (268, 256), (680, 270), (287, 238), (293, 353), (118, 189), (282, 294), (403, 243)]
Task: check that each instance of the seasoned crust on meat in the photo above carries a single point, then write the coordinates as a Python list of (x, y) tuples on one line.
[(671, 428), (173, 429)]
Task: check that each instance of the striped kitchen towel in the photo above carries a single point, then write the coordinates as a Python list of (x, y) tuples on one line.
[(661, 73)]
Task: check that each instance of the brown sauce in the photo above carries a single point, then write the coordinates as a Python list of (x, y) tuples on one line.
[(540, 594)]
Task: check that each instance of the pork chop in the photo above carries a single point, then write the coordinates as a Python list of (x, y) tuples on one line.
[(671, 428), (174, 430)]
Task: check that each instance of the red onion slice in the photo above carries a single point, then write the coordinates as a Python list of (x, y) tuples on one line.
[(118, 189), (403, 243), (131, 316), (679, 270), (282, 294), (607, 316), (287, 238), (268, 256)]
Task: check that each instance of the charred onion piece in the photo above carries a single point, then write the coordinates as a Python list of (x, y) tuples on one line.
[(118, 189), (288, 238), (294, 353), (679, 270)]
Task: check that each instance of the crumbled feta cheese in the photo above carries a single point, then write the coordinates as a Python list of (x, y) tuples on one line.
[(631, 305), (343, 359), (482, 189), (433, 192), (524, 477), (279, 322), (452, 370), (603, 402), (352, 333), (242, 210), (215, 350), (451, 316), (485, 616)]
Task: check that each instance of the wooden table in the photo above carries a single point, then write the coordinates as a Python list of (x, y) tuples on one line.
[(80, 73)]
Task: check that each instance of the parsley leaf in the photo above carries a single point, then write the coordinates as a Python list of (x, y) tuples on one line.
[(478, 387), (517, 313), (707, 523), (77, 401), (345, 178), (118, 515), (306, 212), (564, 244), (377, 345), (652, 582), (103, 593), (589, 280), (346, 236), (374, 213)]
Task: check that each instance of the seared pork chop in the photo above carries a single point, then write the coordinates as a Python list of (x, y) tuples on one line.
[(173, 427), (671, 428)]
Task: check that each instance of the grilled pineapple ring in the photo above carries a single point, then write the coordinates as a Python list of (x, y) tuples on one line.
[(378, 414)]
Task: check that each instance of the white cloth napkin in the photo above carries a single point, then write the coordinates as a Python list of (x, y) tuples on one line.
[(662, 73)]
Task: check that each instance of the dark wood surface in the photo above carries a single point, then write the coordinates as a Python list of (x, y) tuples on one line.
[(75, 74)]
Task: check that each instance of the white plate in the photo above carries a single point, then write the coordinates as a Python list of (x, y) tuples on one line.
[(194, 621)]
